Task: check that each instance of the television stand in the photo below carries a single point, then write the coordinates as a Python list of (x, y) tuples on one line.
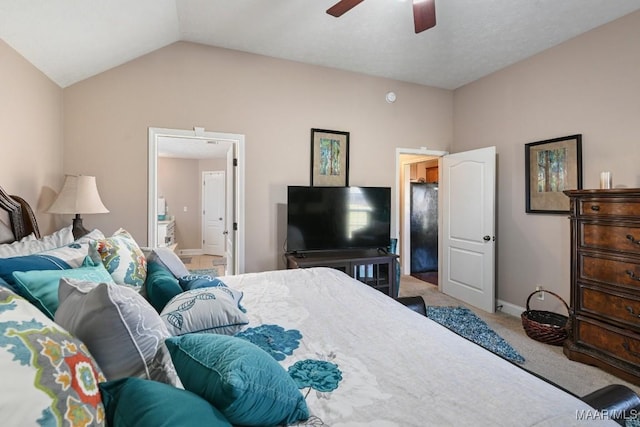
[(373, 267)]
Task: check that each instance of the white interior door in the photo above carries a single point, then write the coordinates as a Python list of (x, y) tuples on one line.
[(213, 213), (467, 193)]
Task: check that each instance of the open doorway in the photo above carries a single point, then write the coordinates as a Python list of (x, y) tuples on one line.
[(199, 151), (417, 207), (466, 221)]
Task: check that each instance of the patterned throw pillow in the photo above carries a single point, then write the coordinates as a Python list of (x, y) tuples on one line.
[(122, 257), (48, 376), (211, 310), (120, 328)]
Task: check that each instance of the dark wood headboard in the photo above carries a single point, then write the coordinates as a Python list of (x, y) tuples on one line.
[(23, 221)]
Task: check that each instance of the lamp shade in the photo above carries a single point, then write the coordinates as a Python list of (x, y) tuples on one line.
[(79, 195)]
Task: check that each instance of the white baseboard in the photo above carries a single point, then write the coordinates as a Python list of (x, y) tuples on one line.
[(512, 309)]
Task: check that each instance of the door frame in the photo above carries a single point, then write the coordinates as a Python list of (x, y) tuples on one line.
[(402, 215), (236, 198), (400, 174)]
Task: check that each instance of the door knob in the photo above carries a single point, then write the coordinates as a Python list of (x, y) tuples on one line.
[(486, 238)]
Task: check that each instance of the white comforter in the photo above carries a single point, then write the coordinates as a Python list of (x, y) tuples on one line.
[(392, 366)]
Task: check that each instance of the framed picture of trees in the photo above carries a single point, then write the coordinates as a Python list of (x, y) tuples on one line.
[(551, 167), (329, 158)]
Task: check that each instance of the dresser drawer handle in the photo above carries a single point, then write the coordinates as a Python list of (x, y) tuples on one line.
[(630, 310), (595, 208), (632, 275), (627, 347), (633, 239)]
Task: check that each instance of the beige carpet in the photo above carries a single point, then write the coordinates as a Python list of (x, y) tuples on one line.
[(545, 360)]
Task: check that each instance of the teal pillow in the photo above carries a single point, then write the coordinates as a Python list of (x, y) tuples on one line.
[(239, 378), (197, 281), (40, 287), (28, 263), (138, 402), (160, 286)]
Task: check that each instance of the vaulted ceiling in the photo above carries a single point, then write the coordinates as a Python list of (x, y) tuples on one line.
[(71, 40)]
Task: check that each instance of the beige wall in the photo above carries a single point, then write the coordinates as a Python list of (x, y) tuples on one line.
[(178, 183), (274, 103), (31, 135), (589, 85)]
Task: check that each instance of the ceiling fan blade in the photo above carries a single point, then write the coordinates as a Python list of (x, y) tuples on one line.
[(424, 14), (342, 7)]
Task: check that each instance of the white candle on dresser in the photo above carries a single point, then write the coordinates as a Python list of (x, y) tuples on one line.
[(605, 180)]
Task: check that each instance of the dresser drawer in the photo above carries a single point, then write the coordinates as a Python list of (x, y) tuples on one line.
[(616, 307), (610, 237), (609, 207), (610, 271), (616, 342)]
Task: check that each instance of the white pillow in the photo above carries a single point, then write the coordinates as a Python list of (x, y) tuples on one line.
[(75, 252), (170, 260), (30, 245), (119, 327)]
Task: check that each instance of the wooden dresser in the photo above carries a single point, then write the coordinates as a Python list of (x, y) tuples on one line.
[(605, 280)]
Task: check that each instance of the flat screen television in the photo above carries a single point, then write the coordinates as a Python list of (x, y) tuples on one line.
[(333, 218)]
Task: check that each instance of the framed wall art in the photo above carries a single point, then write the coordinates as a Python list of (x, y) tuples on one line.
[(329, 158), (551, 167)]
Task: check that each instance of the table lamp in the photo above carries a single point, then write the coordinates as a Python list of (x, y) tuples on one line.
[(79, 195)]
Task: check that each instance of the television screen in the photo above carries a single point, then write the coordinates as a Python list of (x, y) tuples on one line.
[(330, 218)]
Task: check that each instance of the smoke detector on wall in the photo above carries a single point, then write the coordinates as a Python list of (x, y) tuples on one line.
[(390, 97)]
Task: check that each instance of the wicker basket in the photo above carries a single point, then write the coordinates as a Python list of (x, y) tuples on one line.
[(546, 326)]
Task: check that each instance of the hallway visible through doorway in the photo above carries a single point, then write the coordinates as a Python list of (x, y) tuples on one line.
[(205, 262), (430, 277)]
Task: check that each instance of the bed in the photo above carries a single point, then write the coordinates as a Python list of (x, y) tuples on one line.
[(356, 356)]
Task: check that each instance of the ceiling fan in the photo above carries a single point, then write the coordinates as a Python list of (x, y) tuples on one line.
[(424, 12)]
